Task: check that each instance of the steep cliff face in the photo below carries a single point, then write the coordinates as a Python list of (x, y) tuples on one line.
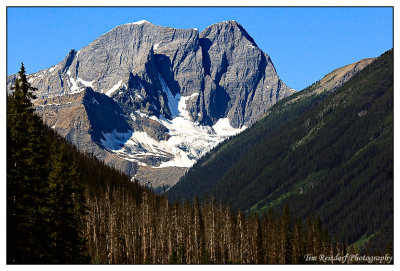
[(241, 81), (146, 97)]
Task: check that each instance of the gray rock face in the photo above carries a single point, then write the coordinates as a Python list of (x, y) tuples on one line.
[(179, 90), (76, 117), (241, 79)]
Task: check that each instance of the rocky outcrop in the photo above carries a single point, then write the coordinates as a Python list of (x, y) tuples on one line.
[(333, 80), (148, 96), (338, 77)]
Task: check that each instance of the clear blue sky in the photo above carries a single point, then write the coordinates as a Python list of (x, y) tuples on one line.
[(304, 43)]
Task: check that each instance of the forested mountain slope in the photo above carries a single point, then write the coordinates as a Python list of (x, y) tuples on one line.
[(322, 152), (65, 206)]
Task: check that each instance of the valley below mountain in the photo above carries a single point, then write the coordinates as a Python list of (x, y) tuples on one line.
[(157, 145)]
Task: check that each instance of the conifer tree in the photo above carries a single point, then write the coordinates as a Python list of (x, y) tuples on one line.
[(26, 173), (44, 205), (66, 209)]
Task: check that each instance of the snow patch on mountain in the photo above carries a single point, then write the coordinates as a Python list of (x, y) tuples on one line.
[(85, 83), (74, 84), (52, 68), (115, 140), (141, 22), (173, 101), (182, 105), (114, 88), (223, 128), (188, 139)]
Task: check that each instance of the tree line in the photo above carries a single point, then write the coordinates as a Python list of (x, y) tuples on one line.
[(64, 206), (123, 229)]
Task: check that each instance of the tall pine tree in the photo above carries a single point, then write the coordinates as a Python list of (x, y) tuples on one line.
[(25, 175), (44, 203)]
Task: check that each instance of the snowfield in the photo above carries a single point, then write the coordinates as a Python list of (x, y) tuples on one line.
[(188, 139)]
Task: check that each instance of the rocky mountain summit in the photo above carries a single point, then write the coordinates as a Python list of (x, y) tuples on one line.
[(149, 99)]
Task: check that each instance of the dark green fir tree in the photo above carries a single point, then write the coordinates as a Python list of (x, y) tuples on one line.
[(44, 201), (25, 175)]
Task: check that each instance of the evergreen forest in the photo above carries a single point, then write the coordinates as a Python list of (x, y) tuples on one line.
[(326, 154), (67, 207)]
